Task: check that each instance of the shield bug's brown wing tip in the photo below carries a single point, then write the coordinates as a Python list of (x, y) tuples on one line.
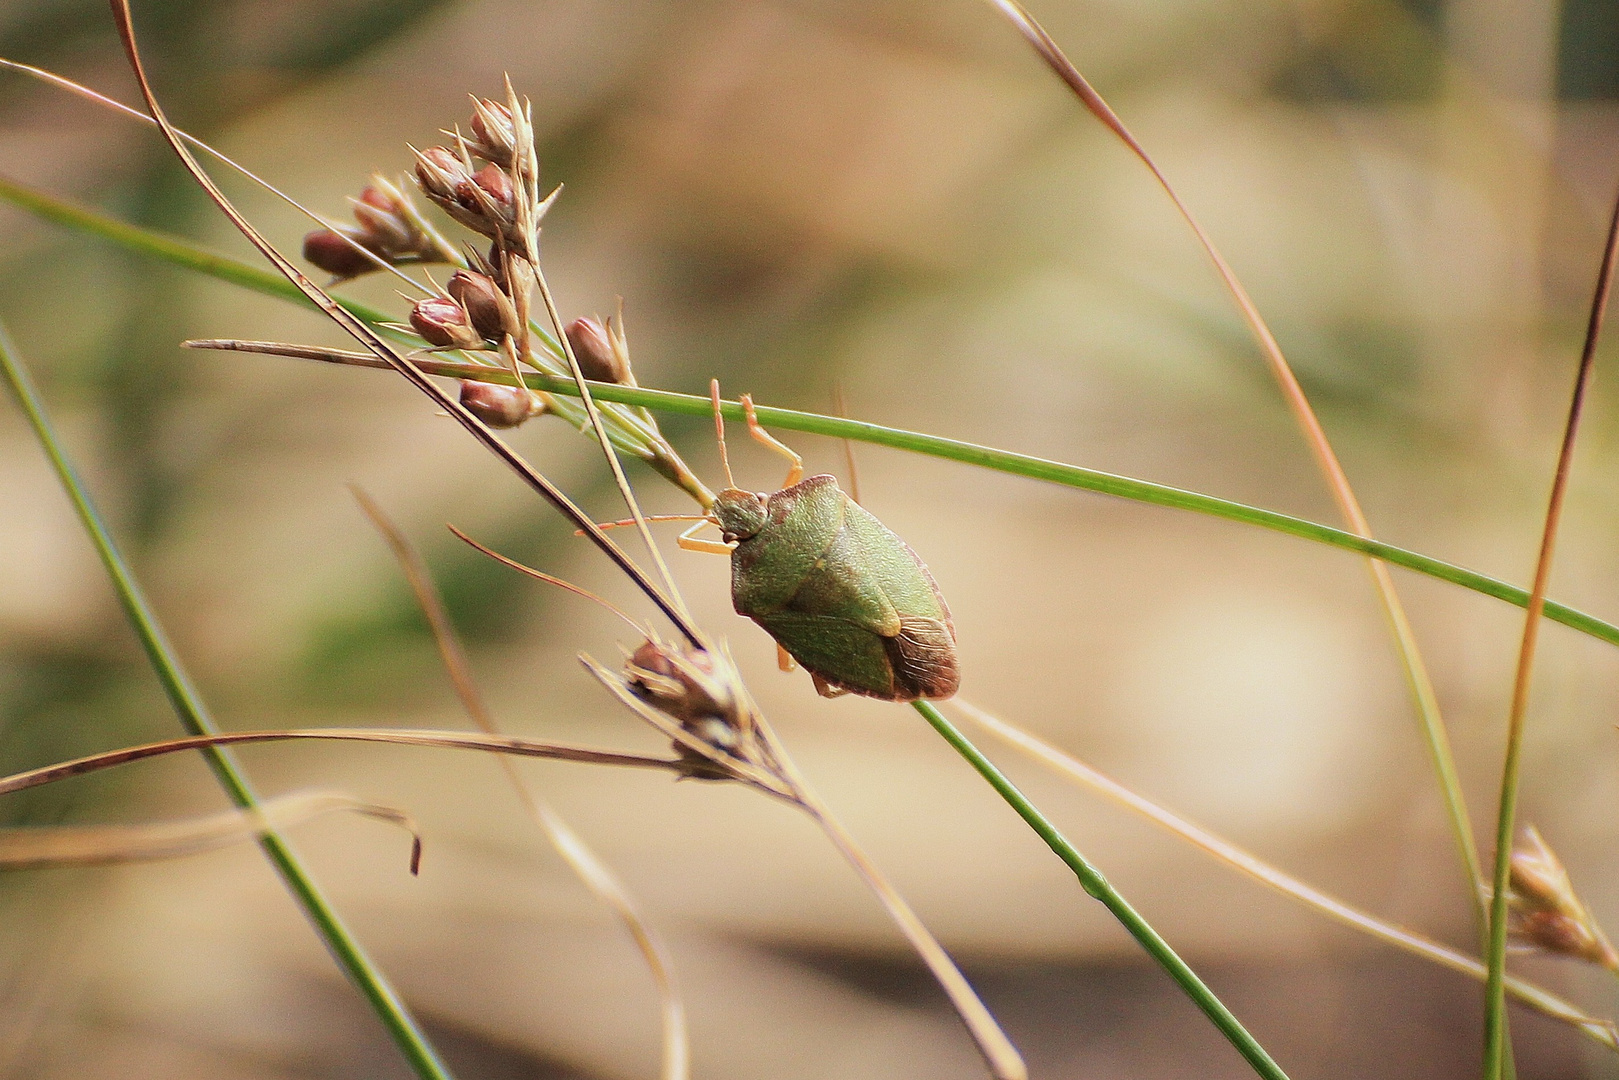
[(924, 657)]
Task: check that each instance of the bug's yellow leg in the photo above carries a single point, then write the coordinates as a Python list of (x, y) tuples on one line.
[(688, 542), (795, 473), (784, 659)]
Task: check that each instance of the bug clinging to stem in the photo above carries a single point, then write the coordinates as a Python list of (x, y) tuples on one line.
[(840, 593)]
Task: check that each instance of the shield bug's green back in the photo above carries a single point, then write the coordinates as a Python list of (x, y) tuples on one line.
[(844, 596)]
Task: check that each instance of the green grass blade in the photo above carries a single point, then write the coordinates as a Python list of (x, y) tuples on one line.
[(183, 253), (195, 718), (1097, 886)]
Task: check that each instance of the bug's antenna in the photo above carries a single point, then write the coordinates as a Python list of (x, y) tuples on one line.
[(719, 431)]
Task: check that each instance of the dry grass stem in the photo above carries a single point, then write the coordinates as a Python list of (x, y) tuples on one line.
[(79, 845), (597, 876), (1416, 671), (448, 740), (1602, 1031)]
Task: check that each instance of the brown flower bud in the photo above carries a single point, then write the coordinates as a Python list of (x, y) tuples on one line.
[(489, 309), (1543, 910), (489, 203), (439, 172), (499, 406), (385, 221), (444, 323), (493, 137), (330, 251), (593, 348), (520, 282)]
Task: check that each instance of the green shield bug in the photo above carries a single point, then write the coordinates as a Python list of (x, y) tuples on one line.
[(840, 593)]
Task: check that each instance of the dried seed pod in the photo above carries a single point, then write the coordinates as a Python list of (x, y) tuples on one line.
[(700, 690), (493, 137), (598, 360), (681, 682), (444, 323), (330, 251), (490, 310), (1543, 910), (499, 406)]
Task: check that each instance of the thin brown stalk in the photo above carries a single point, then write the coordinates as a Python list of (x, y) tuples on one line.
[(368, 337), (1602, 1031), (549, 579), (1495, 1052), (596, 875), (840, 409), (62, 82), (449, 740), (1003, 1059), (601, 434), (1005, 1063), (83, 845), (1416, 671)]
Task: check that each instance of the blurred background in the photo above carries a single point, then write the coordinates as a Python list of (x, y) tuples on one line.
[(896, 198)]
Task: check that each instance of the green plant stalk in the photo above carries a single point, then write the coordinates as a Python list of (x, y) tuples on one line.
[(195, 718), (188, 255), (1097, 886), (1056, 472)]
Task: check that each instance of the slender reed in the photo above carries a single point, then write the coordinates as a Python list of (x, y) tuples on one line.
[(1097, 886), (1495, 1024), (1007, 461), (195, 718), (596, 875), (1415, 669), (1598, 1030), (181, 252)]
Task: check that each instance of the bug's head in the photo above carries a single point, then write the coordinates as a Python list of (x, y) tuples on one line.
[(740, 514)]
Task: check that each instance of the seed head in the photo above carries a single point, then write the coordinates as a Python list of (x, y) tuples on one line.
[(699, 689), (444, 323), (598, 360), (682, 682), (500, 406), (1543, 910)]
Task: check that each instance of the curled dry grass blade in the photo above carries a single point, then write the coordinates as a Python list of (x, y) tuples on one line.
[(1416, 671), (1098, 887), (1495, 1048), (585, 863), (80, 845), (194, 716), (1599, 1030), (183, 253)]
